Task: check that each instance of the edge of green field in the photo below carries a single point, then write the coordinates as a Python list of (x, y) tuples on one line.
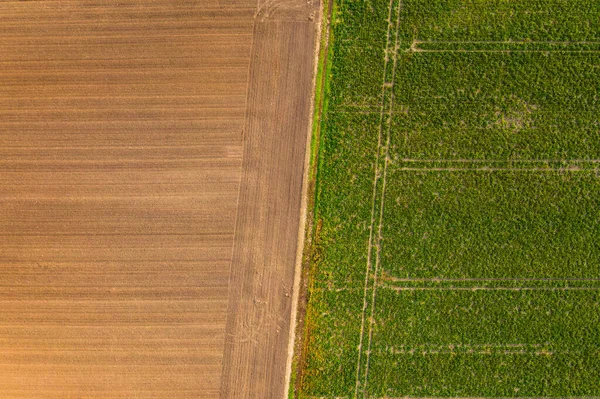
[(320, 102), (326, 98)]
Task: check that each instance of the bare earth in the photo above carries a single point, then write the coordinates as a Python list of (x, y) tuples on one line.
[(151, 164)]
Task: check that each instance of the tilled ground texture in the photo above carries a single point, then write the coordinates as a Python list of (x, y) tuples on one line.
[(141, 145)]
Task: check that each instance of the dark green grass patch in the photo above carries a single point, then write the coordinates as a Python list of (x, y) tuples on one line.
[(496, 375), (361, 22), (348, 156), (499, 343), (501, 20), (488, 270), (333, 338), (538, 320), (497, 106), (475, 224), (361, 85)]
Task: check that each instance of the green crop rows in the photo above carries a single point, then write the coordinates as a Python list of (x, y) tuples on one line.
[(456, 251)]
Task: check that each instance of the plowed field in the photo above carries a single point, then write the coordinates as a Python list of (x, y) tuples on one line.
[(151, 166)]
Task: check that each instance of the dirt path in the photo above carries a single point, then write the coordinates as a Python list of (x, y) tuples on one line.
[(266, 240)]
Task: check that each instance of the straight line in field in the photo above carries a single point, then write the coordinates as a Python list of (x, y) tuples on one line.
[(531, 165), (130, 36), (485, 352), (340, 289), (373, 201), (435, 46), (417, 50), (490, 397), (461, 397), (150, 96), (493, 169), (128, 59), (391, 287), (128, 120), (458, 346), (357, 112), (114, 146), (466, 160), (96, 184), (435, 280), (386, 162), (483, 50), (367, 110), (481, 349), (506, 42)]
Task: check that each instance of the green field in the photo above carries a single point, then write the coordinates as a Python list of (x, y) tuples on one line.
[(456, 248)]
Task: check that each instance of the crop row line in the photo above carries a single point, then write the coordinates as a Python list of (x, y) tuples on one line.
[(388, 85), (361, 46), (562, 43), (382, 154), (418, 50), (496, 169), (479, 160), (504, 42), (421, 46), (472, 288), (443, 101), (463, 345), (400, 289), (413, 352), (500, 279), (457, 397)]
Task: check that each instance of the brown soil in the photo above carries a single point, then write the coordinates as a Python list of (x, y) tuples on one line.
[(126, 128), (263, 269)]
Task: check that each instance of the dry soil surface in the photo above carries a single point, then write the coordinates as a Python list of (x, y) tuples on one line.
[(151, 163)]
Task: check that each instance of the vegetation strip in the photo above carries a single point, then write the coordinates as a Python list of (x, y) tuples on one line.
[(320, 105), (485, 231), (388, 122), (374, 240)]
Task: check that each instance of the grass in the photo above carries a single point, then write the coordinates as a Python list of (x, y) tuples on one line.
[(486, 343), (497, 106), (472, 267), (492, 224), (320, 102)]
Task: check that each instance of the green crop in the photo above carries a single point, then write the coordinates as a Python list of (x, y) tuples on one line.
[(457, 242)]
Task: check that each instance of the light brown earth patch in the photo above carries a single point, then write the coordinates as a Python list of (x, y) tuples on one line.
[(126, 128), (266, 246)]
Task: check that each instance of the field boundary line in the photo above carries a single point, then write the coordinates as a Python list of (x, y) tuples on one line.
[(488, 397), (471, 352), (459, 397), (556, 50), (354, 109), (386, 161), (519, 345), (417, 41), (492, 169), (374, 199), (491, 397), (398, 289), (519, 46), (434, 279), (417, 50), (480, 160), (298, 329), (533, 165)]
